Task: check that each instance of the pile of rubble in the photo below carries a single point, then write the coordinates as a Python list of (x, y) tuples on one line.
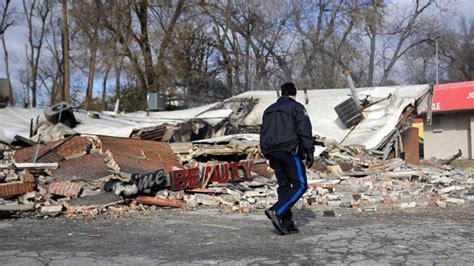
[(79, 175), (354, 177), (172, 160)]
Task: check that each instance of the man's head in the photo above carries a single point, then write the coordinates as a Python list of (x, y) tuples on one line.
[(288, 89)]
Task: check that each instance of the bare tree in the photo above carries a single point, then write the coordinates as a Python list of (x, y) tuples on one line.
[(104, 85), (94, 42), (117, 37), (373, 27), (206, 50), (36, 12), (325, 40), (272, 40), (408, 33), (461, 52), (228, 44), (149, 68), (168, 28), (6, 22), (50, 71), (420, 64), (86, 16), (140, 9)]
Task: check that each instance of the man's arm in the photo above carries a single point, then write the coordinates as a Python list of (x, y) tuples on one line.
[(304, 129)]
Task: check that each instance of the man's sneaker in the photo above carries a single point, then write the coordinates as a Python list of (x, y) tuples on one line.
[(275, 221)]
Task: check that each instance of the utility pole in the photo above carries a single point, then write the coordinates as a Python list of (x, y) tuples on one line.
[(66, 86), (437, 60)]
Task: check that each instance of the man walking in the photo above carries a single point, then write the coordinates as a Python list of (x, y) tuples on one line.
[(285, 139)]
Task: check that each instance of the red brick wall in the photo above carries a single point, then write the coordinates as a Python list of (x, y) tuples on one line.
[(410, 146), (65, 188), (88, 167), (13, 189), (140, 156), (73, 146)]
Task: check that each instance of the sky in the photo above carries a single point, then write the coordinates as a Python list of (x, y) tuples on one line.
[(16, 37)]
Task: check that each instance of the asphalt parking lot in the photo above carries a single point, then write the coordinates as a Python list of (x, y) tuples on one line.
[(213, 236)]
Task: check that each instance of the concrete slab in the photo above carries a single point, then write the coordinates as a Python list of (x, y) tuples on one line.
[(103, 199)]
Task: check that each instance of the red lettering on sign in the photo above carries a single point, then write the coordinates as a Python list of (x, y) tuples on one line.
[(179, 181), (218, 175), (225, 173), (234, 171), (436, 106), (222, 173), (194, 179), (208, 172), (247, 165)]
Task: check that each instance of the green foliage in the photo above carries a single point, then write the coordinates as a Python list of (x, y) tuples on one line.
[(132, 100), (202, 88)]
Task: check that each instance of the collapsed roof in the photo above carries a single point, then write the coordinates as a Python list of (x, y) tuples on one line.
[(380, 118)]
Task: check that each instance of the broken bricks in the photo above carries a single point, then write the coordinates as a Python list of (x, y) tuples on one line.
[(65, 188), (26, 177), (51, 210), (15, 189), (366, 182)]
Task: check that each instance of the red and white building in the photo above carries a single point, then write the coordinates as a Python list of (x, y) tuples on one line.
[(452, 126)]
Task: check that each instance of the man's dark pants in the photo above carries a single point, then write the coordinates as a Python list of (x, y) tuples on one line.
[(292, 183)]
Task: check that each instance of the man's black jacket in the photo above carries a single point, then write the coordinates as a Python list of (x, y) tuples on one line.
[(285, 126)]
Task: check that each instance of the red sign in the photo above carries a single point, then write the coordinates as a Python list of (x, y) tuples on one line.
[(222, 173), (453, 97)]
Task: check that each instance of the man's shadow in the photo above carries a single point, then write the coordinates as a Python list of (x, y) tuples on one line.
[(303, 216)]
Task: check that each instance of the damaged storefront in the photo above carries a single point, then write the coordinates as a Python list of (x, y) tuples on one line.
[(209, 157)]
